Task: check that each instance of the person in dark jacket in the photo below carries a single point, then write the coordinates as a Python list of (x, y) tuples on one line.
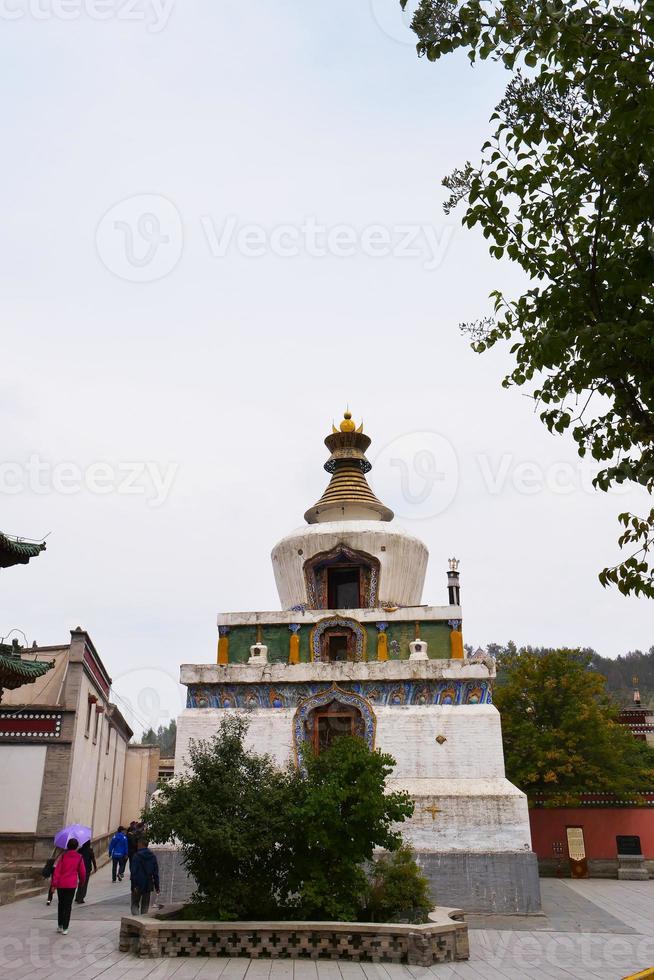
[(145, 878), (88, 856), (132, 841), (118, 848)]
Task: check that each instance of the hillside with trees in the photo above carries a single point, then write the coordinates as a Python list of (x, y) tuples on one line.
[(619, 672)]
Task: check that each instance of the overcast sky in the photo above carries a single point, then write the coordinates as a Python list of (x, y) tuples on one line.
[(221, 223)]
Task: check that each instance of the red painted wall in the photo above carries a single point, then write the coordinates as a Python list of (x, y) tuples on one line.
[(601, 826)]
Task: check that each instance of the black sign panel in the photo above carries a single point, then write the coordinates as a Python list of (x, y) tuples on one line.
[(628, 845)]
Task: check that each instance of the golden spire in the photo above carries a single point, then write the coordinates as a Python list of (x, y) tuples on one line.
[(348, 496)]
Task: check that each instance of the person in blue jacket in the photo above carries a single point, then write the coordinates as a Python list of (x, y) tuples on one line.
[(145, 878), (118, 853)]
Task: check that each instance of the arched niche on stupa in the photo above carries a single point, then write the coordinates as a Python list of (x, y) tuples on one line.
[(336, 639), (342, 578), (324, 717)]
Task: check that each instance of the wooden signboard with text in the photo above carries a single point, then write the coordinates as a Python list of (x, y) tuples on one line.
[(577, 852)]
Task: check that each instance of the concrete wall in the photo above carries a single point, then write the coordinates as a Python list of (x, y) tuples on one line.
[(21, 776), (87, 755), (141, 776)]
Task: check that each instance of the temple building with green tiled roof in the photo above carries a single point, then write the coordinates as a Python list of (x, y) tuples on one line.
[(16, 671), (15, 551)]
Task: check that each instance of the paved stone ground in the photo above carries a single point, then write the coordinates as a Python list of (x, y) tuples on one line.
[(589, 929)]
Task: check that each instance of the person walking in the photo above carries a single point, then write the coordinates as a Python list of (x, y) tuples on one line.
[(68, 872), (132, 842), (88, 856), (118, 849), (47, 872), (145, 878)]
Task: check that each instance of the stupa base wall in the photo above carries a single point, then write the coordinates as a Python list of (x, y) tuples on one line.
[(500, 882)]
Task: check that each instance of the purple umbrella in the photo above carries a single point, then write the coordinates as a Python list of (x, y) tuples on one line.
[(74, 831)]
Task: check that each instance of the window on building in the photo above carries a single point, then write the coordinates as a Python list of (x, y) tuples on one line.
[(337, 647), (344, 587), (332, 722), (106, 748), (96, 728), (89, 710)]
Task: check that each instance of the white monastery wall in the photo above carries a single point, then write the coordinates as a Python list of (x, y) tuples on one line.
[(84, 763), (21, 776), (270, 731), (96, 777), (472, 750), (473, 815), (478, 808), (402, 558), (473, 746), (119, 777)]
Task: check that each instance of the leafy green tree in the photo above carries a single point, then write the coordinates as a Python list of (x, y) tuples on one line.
[(343, 813), (560, 733), (565, 189), (231, 817)]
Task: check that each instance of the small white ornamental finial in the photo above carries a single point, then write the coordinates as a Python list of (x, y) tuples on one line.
[(454, 564)]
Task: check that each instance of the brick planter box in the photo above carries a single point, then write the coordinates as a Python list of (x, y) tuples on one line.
[(442, 940)]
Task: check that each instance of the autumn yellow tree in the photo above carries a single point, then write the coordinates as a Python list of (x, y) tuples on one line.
[(561, 737)]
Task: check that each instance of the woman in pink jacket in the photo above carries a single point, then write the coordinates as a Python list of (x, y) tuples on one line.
[(68, 871)]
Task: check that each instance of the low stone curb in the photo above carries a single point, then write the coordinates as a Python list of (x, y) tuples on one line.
[(441, 940)]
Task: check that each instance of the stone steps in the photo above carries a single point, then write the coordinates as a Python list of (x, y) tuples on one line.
[(16, 885)]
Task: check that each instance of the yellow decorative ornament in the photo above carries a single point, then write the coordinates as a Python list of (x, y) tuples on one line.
[(347, 425)]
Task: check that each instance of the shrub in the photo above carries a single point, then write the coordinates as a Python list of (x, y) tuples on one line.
[(397, 889), (264, 843)]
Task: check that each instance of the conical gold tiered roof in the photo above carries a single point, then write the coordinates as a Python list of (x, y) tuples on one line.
[(348, 496)]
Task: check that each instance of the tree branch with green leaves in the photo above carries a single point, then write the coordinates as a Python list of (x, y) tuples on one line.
[(564, 188)]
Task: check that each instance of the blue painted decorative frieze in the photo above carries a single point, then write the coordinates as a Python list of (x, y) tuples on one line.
[(387, 693)]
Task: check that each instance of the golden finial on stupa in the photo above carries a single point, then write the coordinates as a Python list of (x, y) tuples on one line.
[(347, 425)]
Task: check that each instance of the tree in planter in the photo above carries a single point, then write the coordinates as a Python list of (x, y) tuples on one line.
[(564, 188), (342, 814), (267, 843), (559, 730)]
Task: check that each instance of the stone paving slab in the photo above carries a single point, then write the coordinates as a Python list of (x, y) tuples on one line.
[(564, 943), (564, 910)]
